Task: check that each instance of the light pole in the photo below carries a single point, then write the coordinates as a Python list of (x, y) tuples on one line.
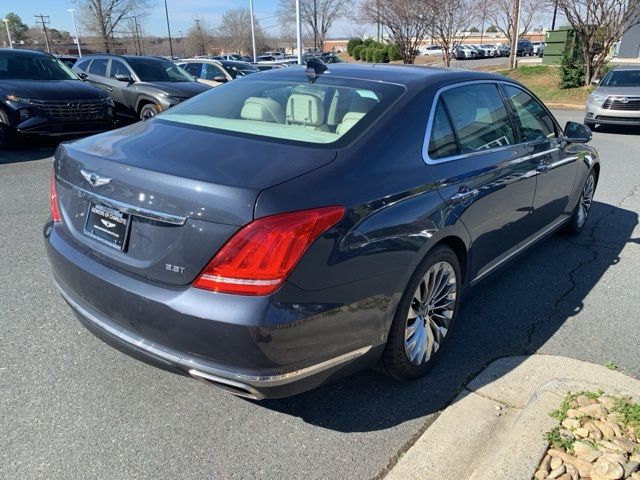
[(166, 11), (253, 32), (6, 24), (75, 27), (299, 32)]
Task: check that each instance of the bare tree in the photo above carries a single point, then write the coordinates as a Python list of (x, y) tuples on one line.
[(500, 14), (103, 17), (235, 28), (407, 21), (318, 15), (199, 38), (448, 19), (598, 24)]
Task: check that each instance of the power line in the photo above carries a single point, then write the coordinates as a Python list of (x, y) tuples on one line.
[(44, 21)]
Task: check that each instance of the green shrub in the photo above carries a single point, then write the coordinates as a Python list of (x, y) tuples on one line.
[(393, 53), (352, 43), (383, 53), (369, 41), (357, 52), (572, 71), (370, 52)]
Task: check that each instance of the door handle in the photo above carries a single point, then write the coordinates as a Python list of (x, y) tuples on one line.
[(464, 195), (109, 89), (542, 167)]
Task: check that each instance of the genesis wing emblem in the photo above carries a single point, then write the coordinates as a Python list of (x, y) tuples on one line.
[(107, 223), (94, 179)]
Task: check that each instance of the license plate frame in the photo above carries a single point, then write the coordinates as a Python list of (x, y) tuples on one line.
[(108, 225)]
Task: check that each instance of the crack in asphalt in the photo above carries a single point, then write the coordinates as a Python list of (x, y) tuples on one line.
[(592, 246)]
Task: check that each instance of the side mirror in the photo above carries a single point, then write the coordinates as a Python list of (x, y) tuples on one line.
[(577, 133), (82, 75), (123, 78), (595, 81), (220, 79)]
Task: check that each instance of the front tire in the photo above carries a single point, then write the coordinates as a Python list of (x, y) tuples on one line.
[(425, 315), (148, 111), (581, 212)]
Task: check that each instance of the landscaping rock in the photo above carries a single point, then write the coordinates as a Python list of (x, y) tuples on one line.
[(583, 401), (592, 456), (557, 472), (540, 475), (555, 463), (626, 445), (572, 472), (581, 432), (606, 469), (608, 402), (573, 413), (606, 430), (584, 467), (594, 432), (595, 410), (582, 448), (571, 423), (630, 467)]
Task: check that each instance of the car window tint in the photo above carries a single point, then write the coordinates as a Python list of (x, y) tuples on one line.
[(118, 68), (533, 121), (194, 69), (479, 117), (99, 67), (443, 141), (209, 72)]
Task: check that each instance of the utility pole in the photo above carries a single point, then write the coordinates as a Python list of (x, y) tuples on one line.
[(139, 36), (513, 55), (184, 52), (555, 14), (44, 21), (166, 11), (315, 25), (253, 32), (201, 37)]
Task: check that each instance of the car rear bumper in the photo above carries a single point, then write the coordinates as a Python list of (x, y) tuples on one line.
[(185, 330)]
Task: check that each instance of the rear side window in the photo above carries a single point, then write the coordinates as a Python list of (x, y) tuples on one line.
[(99, 67), (479, 117), (443, 141), (532, 120), (83, 64)]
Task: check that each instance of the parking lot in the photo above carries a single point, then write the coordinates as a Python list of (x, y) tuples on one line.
[(72, 407)]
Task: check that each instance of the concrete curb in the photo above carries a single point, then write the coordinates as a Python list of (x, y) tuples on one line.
[(494, 428)]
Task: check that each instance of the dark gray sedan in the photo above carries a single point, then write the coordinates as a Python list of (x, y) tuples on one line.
[(294, 226)]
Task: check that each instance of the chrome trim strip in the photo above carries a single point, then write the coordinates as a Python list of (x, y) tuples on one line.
[(236, 388), (125, 207), (255, 381), (564, 161), (527, 244)]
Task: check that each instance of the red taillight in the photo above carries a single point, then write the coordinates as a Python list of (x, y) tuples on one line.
[(259, 257), (53, 199)]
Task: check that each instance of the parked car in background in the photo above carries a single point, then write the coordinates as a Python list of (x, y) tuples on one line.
[(490, 50), (262, 67), (525, 47), (40, 95), (480, 52), (231, 56), (616, 100), (504, 50), (432, 50), (538, 48), (140, 87), (216, 72), (226, 239), (464, 52)]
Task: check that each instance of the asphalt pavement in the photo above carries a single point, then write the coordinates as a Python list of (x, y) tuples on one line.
[(72, 407)]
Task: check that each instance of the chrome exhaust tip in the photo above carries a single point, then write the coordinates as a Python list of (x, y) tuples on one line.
[(229, 386)]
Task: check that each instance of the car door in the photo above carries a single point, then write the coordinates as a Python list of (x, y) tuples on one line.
[(118, 89), (98, 73), (485, 175), (556, 169), (211, 71)]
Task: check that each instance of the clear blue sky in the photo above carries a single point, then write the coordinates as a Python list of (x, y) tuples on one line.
[(181, 13)]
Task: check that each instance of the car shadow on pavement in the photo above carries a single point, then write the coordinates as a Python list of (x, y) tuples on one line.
[(28, 150), (513, 313)]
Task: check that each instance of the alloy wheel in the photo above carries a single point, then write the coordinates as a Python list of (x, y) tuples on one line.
[(430, 313), (585, 200)]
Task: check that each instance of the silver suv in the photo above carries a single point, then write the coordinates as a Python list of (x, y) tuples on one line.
[(616, 101)]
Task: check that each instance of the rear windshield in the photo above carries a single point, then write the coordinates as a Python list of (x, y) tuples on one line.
[(622, 78), (33, 67), (152, 70), (296, 110)]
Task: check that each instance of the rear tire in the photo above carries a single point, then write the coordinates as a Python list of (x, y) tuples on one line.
[(425, 316), (581, 212)]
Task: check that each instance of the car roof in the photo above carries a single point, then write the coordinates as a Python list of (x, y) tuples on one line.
[(626, 67), (26, 53), (398, 74)]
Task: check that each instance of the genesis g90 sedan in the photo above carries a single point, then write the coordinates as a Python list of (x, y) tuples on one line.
[(293, 226)]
